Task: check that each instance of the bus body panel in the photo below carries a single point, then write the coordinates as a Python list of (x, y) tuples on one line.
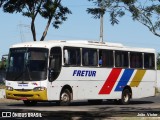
[(89, 87), (25, 90), (87, 82)]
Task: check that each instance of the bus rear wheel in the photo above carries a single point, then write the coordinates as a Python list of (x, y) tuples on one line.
[(126, 96), (29, 103), (65, 97)]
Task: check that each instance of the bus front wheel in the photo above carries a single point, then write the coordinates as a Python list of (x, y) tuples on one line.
[(65, 97), (29, 103)]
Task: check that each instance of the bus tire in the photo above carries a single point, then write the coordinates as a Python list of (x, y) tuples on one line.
[(65, 98), (126, 96), (29, 103)]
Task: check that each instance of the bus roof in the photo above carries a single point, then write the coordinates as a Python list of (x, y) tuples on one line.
[(81, 43)]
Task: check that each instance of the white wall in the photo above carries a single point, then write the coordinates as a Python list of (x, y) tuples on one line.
[(158, 80), (2, 93)]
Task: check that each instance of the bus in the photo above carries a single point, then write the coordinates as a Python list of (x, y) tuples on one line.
[(64, 71)]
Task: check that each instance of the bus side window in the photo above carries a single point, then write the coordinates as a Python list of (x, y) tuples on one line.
[(109, 58), (90, 57), (149, 61), (106, 58), (66, 57), (72, 56), (121, 59), (117, 59), (136, 60), (85, 57), (94, 60)]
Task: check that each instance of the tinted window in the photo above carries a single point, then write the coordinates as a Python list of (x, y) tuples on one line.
[(136, 60), (106, 58), (73, 56), (149, 61), (121, 59), (89, 57)]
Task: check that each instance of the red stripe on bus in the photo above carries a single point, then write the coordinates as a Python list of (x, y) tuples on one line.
[(110, 81)]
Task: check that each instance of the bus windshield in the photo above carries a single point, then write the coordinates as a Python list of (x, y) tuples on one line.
[(27, 64)]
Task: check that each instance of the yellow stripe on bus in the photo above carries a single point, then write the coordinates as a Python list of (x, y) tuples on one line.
[(137, 78)]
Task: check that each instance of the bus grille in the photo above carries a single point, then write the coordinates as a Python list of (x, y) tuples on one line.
[(22, 90), (22, 95)]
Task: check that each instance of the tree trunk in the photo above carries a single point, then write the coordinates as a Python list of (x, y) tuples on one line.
[(57, 2), (33, 29), (46, 29)]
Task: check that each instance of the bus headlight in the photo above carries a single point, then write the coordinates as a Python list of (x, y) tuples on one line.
[(39, 89), (9, 88)]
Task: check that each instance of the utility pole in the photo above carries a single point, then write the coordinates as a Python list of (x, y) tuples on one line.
[(21, 26), (101, 28), (102, 8)]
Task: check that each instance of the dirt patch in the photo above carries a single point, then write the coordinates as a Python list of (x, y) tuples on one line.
[(3, 100)]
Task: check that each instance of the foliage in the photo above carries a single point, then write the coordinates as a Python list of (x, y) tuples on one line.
[(158, 61), (3, 65), (52, 10), (115, 8), (147, 12)]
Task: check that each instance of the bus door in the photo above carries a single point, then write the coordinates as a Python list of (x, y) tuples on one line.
[(55, 64)]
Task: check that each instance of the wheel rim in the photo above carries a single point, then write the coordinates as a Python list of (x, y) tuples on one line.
[(126, 98), (65, 97)]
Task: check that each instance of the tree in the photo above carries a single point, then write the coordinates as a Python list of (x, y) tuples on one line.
[(115, 8), (3, 64), (52, 10), (147, 12)]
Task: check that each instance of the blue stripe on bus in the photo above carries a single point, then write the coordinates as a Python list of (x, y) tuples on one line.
[(124, 79)]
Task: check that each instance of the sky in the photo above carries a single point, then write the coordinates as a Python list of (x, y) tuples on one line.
[(15, 28)]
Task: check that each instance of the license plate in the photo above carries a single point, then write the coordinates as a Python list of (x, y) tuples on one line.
[(24, 99)]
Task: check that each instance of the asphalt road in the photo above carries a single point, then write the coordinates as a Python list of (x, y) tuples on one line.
[(79, 110)]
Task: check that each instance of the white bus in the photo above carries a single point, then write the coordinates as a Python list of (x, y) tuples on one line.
[(63, 71)]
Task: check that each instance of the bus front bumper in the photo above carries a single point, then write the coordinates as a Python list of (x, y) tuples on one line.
[(27, 95)]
